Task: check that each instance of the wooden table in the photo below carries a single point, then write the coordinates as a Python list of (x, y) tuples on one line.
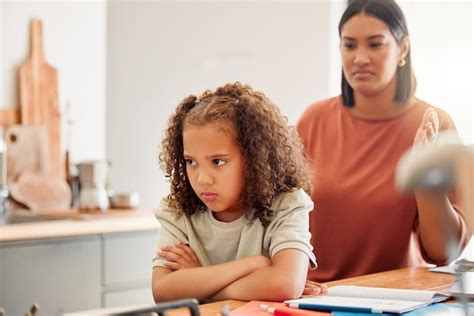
[(408, 278)]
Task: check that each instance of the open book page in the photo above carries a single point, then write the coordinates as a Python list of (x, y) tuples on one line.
[(386, 293)]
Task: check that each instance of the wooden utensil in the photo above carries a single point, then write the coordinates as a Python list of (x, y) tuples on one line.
[(39, 98)]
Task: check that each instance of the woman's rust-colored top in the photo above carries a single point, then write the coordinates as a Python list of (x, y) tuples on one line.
[(361, 224)]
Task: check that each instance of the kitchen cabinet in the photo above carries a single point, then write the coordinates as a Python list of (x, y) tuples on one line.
[(77, 273), (60, 275), (127, 266)]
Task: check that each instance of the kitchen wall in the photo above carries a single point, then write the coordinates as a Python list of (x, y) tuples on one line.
[(74, 40), (124, 65), (442, 37), (160, 52)]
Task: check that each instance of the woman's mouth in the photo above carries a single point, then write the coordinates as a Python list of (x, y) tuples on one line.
[(363, 73)]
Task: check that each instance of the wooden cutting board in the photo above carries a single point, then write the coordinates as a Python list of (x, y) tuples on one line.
[(27, 151), (39, 98), (9, 116)]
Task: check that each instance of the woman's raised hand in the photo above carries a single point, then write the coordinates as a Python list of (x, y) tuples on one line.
[(428, 130)]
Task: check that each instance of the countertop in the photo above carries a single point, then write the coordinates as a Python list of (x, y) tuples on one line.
[(113, 222)]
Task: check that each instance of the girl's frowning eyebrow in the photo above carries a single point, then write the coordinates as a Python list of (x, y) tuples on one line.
[(213, 156)]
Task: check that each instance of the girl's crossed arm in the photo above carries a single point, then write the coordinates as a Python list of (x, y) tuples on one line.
[(248, 278), (183, 278), (284, 279)]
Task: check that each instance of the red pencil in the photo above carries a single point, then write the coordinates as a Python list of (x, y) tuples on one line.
[(276, 311)]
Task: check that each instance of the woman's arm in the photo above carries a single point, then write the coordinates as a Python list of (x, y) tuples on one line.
[(284, 279), (201, 282), (440, 226)]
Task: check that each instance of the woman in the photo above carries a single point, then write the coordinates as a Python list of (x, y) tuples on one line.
[(361, 224)]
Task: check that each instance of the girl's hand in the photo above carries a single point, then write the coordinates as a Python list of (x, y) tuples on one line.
[(179, 257), (428, 130), (312, 288)]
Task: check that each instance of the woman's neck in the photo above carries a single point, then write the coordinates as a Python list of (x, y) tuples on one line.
[(382, 105)]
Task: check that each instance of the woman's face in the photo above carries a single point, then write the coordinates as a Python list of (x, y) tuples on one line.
[(370, 54)]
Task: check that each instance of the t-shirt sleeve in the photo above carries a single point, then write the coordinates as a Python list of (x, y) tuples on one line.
[(173, 229), (289, 228)]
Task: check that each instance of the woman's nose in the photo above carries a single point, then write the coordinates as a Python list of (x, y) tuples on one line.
[(361, 57)]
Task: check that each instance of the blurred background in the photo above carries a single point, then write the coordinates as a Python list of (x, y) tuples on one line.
[(124, 65)]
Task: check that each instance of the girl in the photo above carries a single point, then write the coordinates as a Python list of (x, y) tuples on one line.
[(235, 225)]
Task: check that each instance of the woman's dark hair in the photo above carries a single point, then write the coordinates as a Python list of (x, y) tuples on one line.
[(275, 160), (390, 13)]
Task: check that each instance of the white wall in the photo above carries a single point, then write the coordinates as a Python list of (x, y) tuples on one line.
[(74, 42), (442, 50), (160, 52)]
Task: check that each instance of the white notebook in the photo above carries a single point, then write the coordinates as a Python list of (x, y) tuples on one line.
[(464, 289), (352, 298)]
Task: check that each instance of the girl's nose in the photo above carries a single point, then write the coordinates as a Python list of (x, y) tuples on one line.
[(205, 178)]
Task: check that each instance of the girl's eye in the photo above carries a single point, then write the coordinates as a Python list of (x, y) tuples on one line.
[(218, 162), (190, 162)]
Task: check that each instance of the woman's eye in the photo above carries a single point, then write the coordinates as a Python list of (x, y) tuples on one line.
[(349, 45), (218, 162), (190, 162), (375, 44)]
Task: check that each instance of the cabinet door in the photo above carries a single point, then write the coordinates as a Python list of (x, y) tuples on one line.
[(128, 256), (138, 296), (2, 282), (61, 275)]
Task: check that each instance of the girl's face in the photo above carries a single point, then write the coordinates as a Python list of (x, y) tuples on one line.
[(370, 54), (215, 168)]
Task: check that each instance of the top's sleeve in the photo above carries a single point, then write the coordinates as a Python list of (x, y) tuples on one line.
[(173, 229), (289, 228)]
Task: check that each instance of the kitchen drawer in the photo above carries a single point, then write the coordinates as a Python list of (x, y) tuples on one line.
[(138, 296), (46, 272), (128, 256)]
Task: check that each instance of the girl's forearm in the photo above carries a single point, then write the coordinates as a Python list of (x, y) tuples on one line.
[(203, 282), (265, 284)]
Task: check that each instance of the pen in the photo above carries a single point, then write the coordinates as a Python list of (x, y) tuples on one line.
[(225, 310), (317, 307), (276, 311)]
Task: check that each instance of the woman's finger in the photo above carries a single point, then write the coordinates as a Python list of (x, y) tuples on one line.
[(430, 131), (435, 120)]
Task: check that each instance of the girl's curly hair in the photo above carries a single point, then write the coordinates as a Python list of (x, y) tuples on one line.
[(275, 161)]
